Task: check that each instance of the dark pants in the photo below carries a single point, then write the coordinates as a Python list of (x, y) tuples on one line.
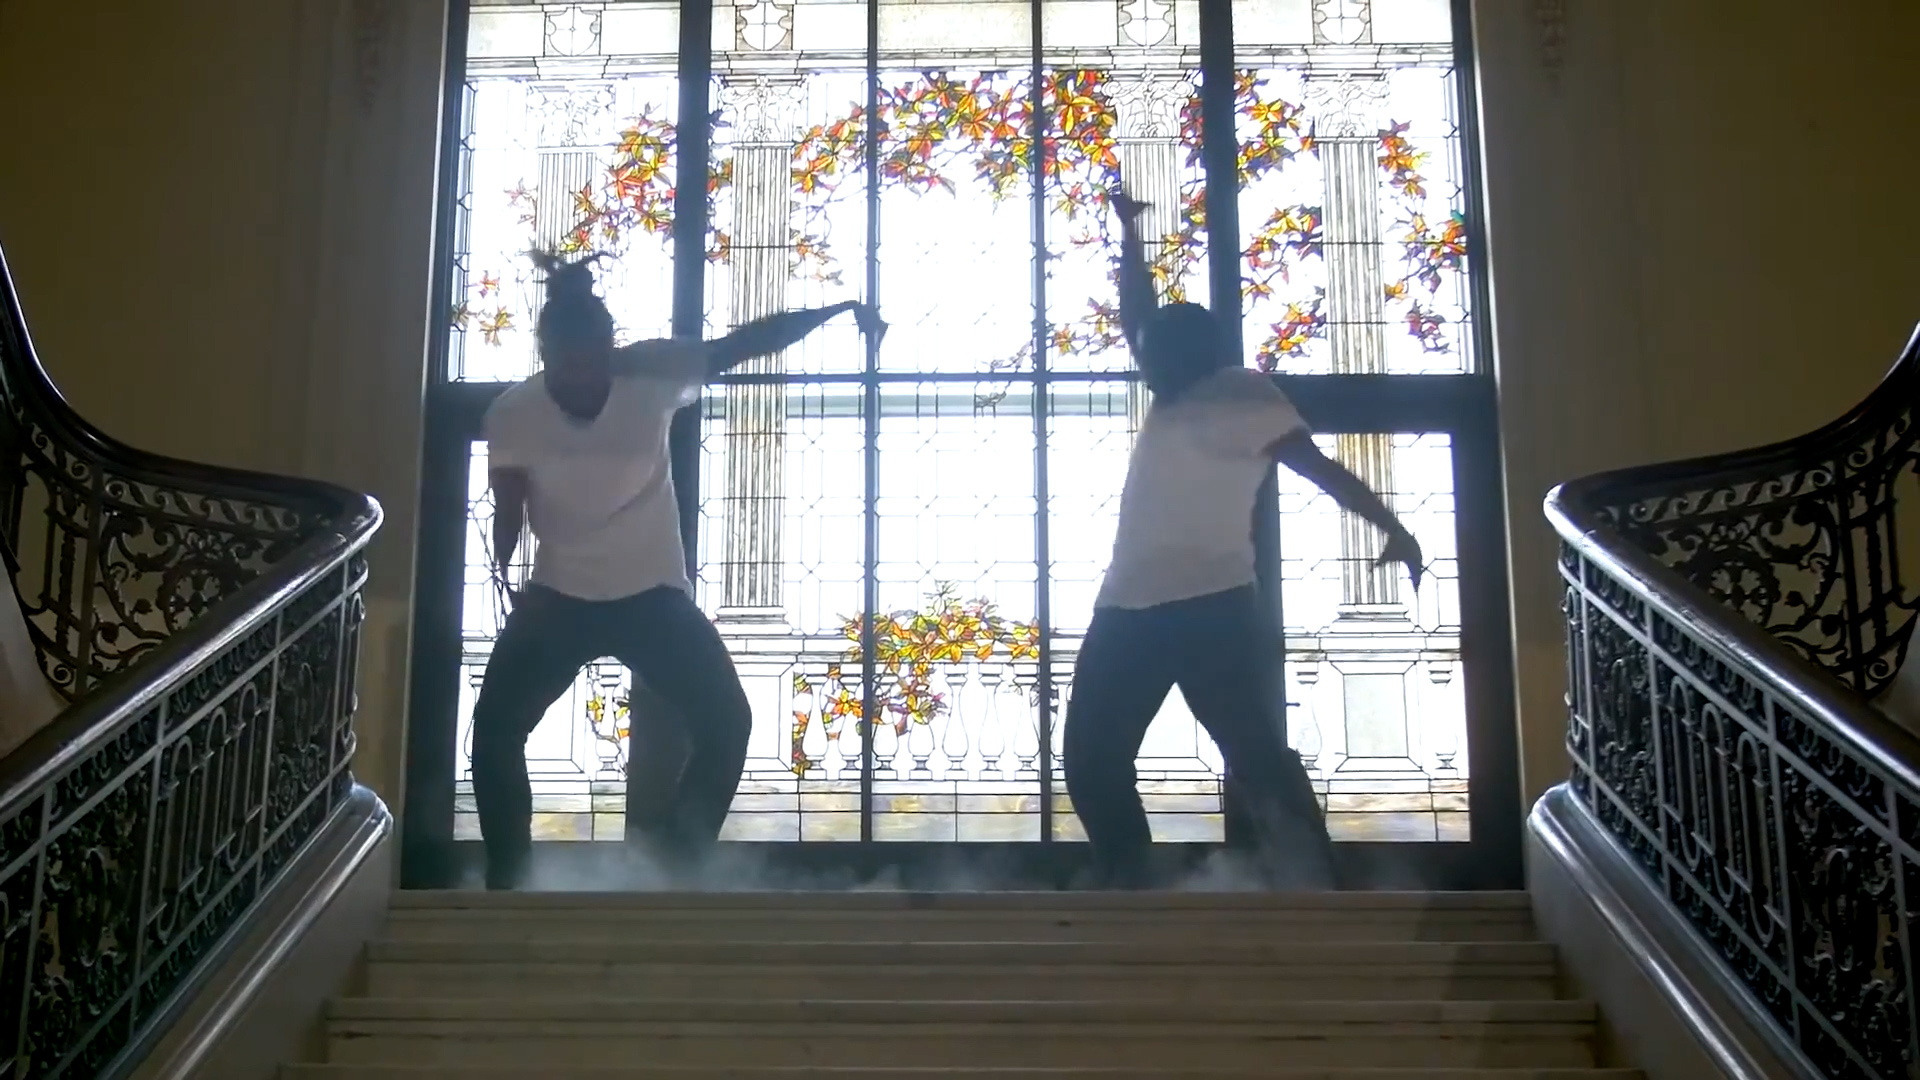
[(1223, 653), (669, 643)]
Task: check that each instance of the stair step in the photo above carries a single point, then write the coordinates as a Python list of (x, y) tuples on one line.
[(1016, 925), (816, 1073), (967, 1045), (904, 982), (874, 952), (963, 916), (1246, 1035), (1014, 1013), (1295, 928), (951, 971), (1152, 904), (877, 985)]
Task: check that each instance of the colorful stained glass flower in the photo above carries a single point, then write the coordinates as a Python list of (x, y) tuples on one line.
[(910, 646), (934, 128)]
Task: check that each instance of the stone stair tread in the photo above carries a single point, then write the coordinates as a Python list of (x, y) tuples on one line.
[(927, 921), (1247, 1048), (1189, 927), (932, 1073), (627, 1012), (1152, 955), (1267, 931), (989, 986), (694, 984), (839, 903)]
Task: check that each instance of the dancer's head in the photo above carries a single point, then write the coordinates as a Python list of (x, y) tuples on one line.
[(1182, 345), (575, 329)]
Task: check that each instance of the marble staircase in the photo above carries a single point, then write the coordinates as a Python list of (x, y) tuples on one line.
[(958, 986)]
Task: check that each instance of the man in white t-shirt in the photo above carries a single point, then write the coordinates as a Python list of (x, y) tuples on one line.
[(1179, 604), (579, 451)]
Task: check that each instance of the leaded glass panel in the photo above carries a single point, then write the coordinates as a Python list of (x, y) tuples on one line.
[(981, 436), (1374, 679)]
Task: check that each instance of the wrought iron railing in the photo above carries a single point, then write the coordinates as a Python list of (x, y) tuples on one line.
[(1729, 622), (203, 623)]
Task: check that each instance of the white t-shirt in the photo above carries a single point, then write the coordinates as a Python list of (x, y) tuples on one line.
[(600, 494), (1186, 513)]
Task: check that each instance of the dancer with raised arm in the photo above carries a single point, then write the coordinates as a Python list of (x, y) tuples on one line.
[(579, 451), (1179, 606)]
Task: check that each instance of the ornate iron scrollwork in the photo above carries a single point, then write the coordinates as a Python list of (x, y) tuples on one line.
[(129, 870), (1776, 844), (115, 565), (1794, 856), (1800, 538), (206, 762)]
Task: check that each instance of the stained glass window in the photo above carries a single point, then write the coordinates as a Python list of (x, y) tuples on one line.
[(1357, 236), (546, 162), (1374, 676), (985, 444)]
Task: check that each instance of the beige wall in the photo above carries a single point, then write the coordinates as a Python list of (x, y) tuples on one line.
[(218, 212), (218, 215), (1700, 242)]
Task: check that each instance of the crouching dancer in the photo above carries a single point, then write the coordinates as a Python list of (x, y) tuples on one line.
[(579, 451), (1179, 606)]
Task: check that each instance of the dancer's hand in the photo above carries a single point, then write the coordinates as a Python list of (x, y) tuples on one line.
[(1403, 548), (871, 324)]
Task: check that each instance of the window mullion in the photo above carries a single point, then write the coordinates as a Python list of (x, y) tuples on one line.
[(870, 419), (690, 212), (1043, 615)]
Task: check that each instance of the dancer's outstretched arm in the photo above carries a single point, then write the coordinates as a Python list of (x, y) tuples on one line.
[(1299, 453), (1137, 298), (775, 332), (757, 338)]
